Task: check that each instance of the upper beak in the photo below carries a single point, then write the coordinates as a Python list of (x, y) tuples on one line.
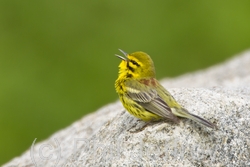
[(123, 58)]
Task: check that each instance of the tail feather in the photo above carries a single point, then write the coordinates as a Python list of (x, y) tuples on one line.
[(202, 121), (184, 113)]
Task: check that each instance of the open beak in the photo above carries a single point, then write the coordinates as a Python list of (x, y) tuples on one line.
[(123, 58)]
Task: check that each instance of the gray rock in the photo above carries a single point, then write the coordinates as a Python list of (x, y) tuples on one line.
[(112, 137)]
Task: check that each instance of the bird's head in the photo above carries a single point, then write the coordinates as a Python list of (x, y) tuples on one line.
[(136, 65)]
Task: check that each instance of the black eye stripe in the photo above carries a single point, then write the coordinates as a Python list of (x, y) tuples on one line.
[(135, 63), (130, 68)]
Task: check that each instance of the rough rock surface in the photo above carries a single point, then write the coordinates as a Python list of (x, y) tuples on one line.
[(111, 137)]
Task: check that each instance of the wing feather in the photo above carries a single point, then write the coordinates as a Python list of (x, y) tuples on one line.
[(148, 98)]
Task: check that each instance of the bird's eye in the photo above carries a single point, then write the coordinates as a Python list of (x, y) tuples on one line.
[(134, 62)]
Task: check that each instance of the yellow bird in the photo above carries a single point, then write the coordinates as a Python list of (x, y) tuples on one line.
[(143, 96)]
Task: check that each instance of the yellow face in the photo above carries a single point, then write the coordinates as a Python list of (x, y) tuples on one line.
[(137, 65)]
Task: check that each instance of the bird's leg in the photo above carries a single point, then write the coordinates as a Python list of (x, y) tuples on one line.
[(146, 124), (140, 128)]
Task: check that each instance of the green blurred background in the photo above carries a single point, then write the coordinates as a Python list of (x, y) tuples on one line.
[(57, 58)]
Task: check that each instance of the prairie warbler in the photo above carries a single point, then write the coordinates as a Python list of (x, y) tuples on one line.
[(143, 96)]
